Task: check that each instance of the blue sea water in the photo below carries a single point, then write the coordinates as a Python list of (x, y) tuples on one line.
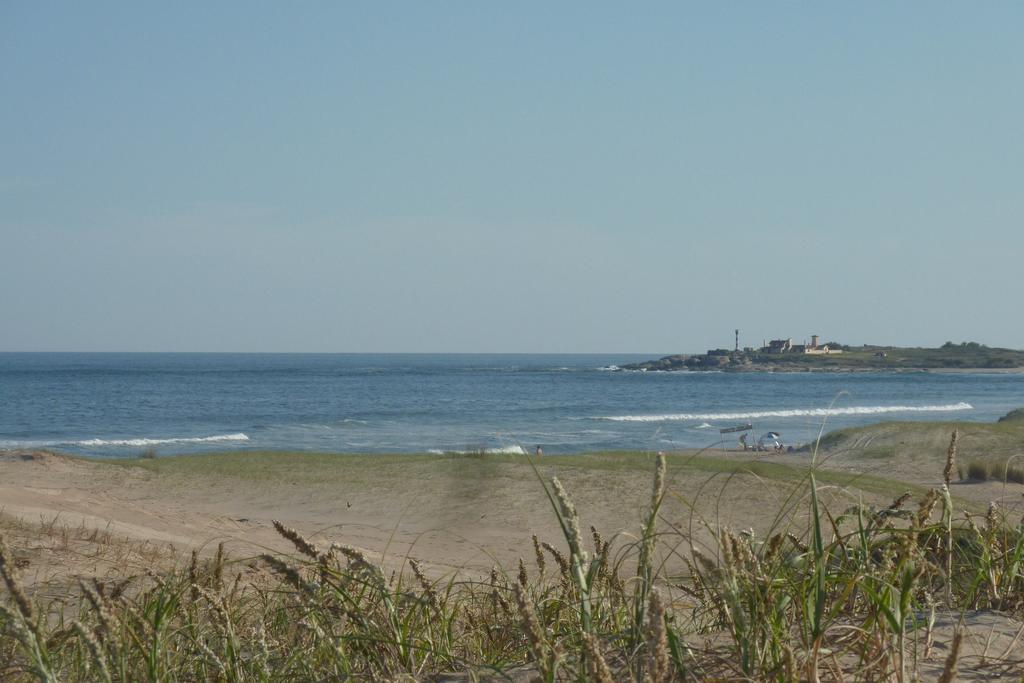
[(117, 405)]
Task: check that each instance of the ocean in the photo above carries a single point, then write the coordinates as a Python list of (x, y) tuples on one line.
[(119, 405)]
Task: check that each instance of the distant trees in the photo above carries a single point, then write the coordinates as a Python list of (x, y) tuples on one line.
[(966, 346)]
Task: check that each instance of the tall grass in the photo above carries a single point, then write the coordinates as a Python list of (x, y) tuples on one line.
[(978, 470), (824, 594)]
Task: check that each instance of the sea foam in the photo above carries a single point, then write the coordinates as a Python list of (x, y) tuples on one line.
[(158, 442), (501, 450), (796, 412)]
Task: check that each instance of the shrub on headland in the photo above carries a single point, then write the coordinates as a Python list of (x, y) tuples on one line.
[(1013, 416), (819, 595)]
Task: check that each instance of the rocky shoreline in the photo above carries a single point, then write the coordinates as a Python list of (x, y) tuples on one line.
[(865, 359)]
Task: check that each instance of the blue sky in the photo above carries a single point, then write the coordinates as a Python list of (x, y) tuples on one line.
[(474, 177)]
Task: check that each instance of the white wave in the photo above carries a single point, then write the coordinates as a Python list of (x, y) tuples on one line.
[(673, 373), (797, 412), (158, 442), (501, 450), (512, 450), (704, 425), (9, 443)]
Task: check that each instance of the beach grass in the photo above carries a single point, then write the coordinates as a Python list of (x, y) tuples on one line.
[(326, 470), (918, 442), (826, 593)]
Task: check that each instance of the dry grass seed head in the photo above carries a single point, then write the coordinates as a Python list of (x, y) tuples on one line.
[(992, 517), (571, 518), (707, 565), (211, 657), (789, 662), (216, 602), (96, 651), (539, 556), (301, 544), (771, 547), (797, 543), (530, 625), (10, 576), (563, 563), (497, 599), (428, 588), (947, 472), (927, 506), (727, 545), (899, 501), (657, 640), (101, 606), (218, 567), (599, 669), (659, 480), (357, 561), (599, 545), (263, 651)]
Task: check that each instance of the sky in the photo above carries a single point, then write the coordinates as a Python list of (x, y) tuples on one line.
[(508, 177)]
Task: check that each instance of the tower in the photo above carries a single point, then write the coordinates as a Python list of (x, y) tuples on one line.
[(737, 340), (814, 341)]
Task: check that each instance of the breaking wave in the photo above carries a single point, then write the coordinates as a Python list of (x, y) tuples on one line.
[(501, 450), (796, 412), (158, 442)]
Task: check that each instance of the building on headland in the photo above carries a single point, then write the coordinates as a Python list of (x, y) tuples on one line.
[(779, 346), (787, 346), (820, 349)]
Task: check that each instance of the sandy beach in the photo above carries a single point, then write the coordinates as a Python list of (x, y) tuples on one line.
[(67, 519), (452, 512)]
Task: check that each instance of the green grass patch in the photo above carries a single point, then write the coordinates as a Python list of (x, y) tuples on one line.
[(335, 469)]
